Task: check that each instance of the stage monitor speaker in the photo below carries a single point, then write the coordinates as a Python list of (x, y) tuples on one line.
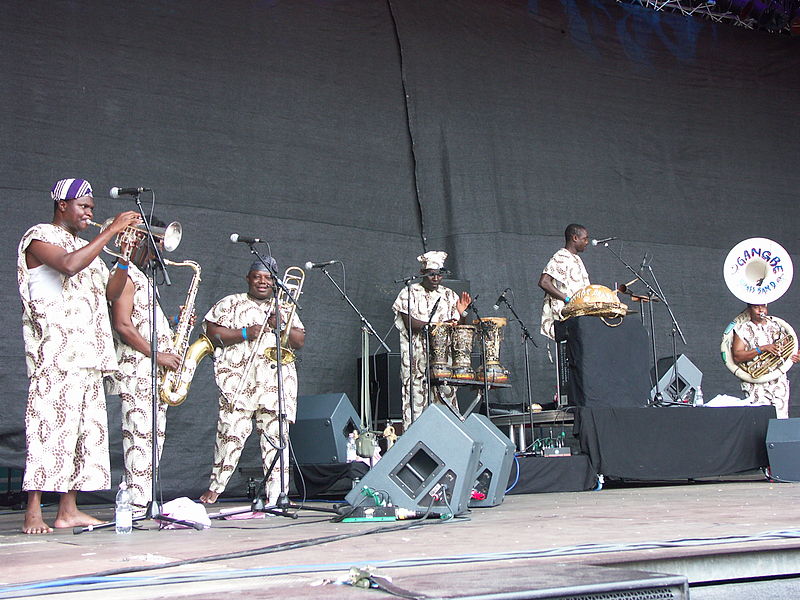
[(497, 458), (682, 388), (783, 449), (319, 434), (430, 469)]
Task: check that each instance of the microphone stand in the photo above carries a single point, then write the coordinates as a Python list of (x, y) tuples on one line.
[(526, 337), (410, 332), (366, 330), (651, 295), (483, 358), (427, 339), (675, 329)]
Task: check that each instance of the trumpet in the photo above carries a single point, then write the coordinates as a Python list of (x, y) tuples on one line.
[(129, 238)]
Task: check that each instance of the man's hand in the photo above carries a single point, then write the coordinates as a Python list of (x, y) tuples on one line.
[(463, 302), (129, 218), (168, 360), (771, 348)]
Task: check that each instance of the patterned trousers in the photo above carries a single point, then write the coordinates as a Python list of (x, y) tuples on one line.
[(66, 430), (137, 446), (439, 394), (233, 429)]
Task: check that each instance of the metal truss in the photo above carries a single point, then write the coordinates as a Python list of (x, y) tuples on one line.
[(775, 16)]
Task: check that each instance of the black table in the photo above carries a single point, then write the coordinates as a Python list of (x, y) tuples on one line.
[(674, 443)]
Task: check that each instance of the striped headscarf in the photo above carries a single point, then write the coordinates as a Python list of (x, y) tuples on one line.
[(68, 189)]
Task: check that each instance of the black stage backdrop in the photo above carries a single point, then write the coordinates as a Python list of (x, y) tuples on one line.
[(369, 132)]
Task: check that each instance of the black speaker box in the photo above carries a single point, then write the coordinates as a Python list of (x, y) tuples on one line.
[(783, 449), (607, 365), (497, 458), (384, 386), (682, 388), (319, 434), (430, 469)]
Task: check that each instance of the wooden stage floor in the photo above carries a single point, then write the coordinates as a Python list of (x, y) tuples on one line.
[(710, 530)]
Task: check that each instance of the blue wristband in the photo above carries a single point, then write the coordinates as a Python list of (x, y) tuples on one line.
[(758, 350), (566, 299), (122, 267), (244, 334)]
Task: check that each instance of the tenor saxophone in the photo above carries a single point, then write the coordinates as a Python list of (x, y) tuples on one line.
[(174, 385)]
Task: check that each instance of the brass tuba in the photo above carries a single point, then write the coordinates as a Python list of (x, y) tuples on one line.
[(174, 385), (759, 271)]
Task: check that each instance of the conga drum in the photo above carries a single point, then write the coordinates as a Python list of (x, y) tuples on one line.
[(440, 336), (462, 351), (491, 328)]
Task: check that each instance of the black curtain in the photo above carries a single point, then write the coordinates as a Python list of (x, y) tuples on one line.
[(369, 132)]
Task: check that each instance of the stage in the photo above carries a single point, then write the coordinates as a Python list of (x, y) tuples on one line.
[(703, 531)]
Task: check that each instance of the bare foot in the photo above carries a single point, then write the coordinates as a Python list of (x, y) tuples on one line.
[(34, 524), (209, 497), (76, 518)]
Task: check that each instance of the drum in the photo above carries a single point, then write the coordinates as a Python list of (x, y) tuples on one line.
[(462, 351), (491, 328), (440, 337)]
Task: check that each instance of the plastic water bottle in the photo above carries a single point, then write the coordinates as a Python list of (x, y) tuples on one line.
[(351, 447), (698, 397), (123, 518)]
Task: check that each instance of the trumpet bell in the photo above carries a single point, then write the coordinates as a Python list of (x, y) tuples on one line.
[(171, 235), (758, 271), (133, 236)]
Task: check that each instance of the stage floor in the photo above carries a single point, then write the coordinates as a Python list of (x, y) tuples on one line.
[(528, 540)]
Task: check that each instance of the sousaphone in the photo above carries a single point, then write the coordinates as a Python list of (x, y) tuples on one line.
[(759, 271)]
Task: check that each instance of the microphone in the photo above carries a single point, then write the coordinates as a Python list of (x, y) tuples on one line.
[(235, 237), (116, 192), (604, 240), (502, 298), (319, 265)]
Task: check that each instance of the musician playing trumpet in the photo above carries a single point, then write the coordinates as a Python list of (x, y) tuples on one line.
[(752, 339), (131, 316), (244, 326), (63, 286)]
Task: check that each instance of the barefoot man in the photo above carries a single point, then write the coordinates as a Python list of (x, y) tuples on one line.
[(68, 348)]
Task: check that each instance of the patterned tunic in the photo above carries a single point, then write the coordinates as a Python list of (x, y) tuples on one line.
[(132, 381), (569, 276), (68, 347), (254, 398), (422, 302), (775, 392)]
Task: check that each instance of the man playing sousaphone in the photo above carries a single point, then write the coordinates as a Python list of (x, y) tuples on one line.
[(756, 339)]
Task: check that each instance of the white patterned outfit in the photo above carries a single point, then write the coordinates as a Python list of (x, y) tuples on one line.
[(257, 396), (569, 276), (422, 302), (68, 349), (132, 381), (775, 392)]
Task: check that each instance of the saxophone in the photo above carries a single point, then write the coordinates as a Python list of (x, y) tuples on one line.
[(174, 385)]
